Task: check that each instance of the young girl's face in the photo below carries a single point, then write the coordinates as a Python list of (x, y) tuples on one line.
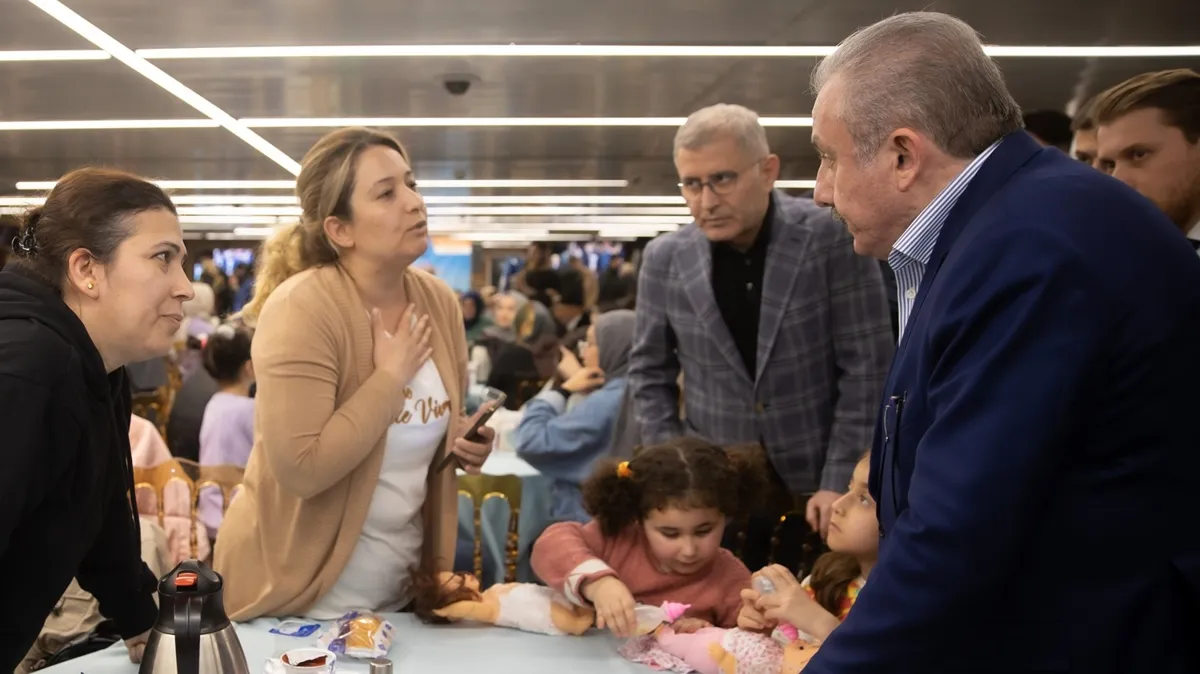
[(684, 541), (854, 529)]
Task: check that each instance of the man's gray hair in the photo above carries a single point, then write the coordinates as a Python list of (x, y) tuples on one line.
[(925, 71), (721, 121)]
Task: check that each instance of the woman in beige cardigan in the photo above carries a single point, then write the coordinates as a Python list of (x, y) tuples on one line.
[(361, 364)]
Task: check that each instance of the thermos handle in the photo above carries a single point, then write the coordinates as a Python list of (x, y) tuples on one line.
[(187, 634)]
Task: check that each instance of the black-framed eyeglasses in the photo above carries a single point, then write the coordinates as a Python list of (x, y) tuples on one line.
[(721, 182)]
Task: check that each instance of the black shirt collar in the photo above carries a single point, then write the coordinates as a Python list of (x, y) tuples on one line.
[(759, 247)]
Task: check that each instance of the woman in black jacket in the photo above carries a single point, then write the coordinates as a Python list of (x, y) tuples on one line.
[(96, 282)]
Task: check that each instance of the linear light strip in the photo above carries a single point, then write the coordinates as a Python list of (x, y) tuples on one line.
[(476, 199), (91, 33), (334, 122), (294, 211), (54, 55), (337, 122), (437, 227), (502, 183), (436, 222), (466, 51), (107, 124), (577, 50), (438, 199)]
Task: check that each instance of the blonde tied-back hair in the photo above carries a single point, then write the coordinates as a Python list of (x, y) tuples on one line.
[(324, 186)]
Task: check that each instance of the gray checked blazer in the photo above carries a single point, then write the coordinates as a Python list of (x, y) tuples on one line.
[(824, 347)]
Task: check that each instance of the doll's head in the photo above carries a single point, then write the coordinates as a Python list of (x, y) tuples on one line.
[(681, 493), (437, 590)]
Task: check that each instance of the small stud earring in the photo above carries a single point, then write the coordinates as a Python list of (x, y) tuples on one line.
[(91, 285)]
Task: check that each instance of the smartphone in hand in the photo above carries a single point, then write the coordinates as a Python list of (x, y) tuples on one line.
[(493, 399)]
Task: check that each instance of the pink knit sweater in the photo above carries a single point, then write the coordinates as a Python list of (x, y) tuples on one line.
[(569, 555)]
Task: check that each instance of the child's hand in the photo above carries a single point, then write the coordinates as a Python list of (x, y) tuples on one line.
[(689, 625), (795, 607), (614, 605), (750, 618)]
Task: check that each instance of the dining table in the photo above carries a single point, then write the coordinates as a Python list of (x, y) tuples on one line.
[(416, 648)]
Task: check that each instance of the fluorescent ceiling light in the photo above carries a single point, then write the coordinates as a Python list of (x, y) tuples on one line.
[(294, 211), (333, 51), (795, 184), (528, 235), (450, 225), (54, 55), (681, 211), (44, 185), (582, 50), (253, 231), (475, 199), (91, 33), (554, 199), (1177, 51), (105, 124), (248, 123), (236, 220), (337, 122)]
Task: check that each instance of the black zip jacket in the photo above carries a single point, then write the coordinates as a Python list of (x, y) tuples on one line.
[(66, 476)]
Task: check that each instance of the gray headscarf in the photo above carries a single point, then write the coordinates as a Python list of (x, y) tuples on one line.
[(614, 339), (615, 343)]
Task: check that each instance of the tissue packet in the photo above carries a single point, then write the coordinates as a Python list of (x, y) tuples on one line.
[(359, 634)]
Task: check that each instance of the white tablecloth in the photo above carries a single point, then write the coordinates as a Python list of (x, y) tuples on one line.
[(421, 649)]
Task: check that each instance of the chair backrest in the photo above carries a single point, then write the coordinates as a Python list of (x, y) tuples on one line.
[(227, 478), (481, 489), (167, 490), (156, 405)]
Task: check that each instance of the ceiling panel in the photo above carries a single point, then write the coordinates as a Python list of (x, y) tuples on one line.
[(146, 23), (25, 26), (501, 87), (179, 154), (77, 90), (1018, 22)]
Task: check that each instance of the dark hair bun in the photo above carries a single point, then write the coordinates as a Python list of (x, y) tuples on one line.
[(26, 244), (226, 352)]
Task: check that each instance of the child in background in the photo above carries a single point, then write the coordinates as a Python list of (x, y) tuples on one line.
[(821, 602), (227, 431), (656, 535)]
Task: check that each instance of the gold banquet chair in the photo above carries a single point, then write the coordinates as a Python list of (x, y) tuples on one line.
[(154, 487), (225, 478), (482, 490)]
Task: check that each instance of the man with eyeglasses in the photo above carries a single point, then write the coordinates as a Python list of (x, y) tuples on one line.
[(781, 331)]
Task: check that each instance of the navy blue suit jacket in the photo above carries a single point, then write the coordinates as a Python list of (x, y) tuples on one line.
[(1036, 458)]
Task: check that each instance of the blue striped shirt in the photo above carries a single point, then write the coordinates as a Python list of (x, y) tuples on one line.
[(910, 254)]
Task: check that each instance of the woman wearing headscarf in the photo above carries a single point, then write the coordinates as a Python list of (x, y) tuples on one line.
[(564, 444), (523, 367), (474, 318), (503, 316), (498, 333)]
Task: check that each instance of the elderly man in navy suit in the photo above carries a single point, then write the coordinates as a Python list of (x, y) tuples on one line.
[(1036, 456)]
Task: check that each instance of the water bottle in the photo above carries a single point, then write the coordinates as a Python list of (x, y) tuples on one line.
[(783, 633)]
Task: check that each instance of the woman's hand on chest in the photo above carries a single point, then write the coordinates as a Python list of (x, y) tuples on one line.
[(403, 353)]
